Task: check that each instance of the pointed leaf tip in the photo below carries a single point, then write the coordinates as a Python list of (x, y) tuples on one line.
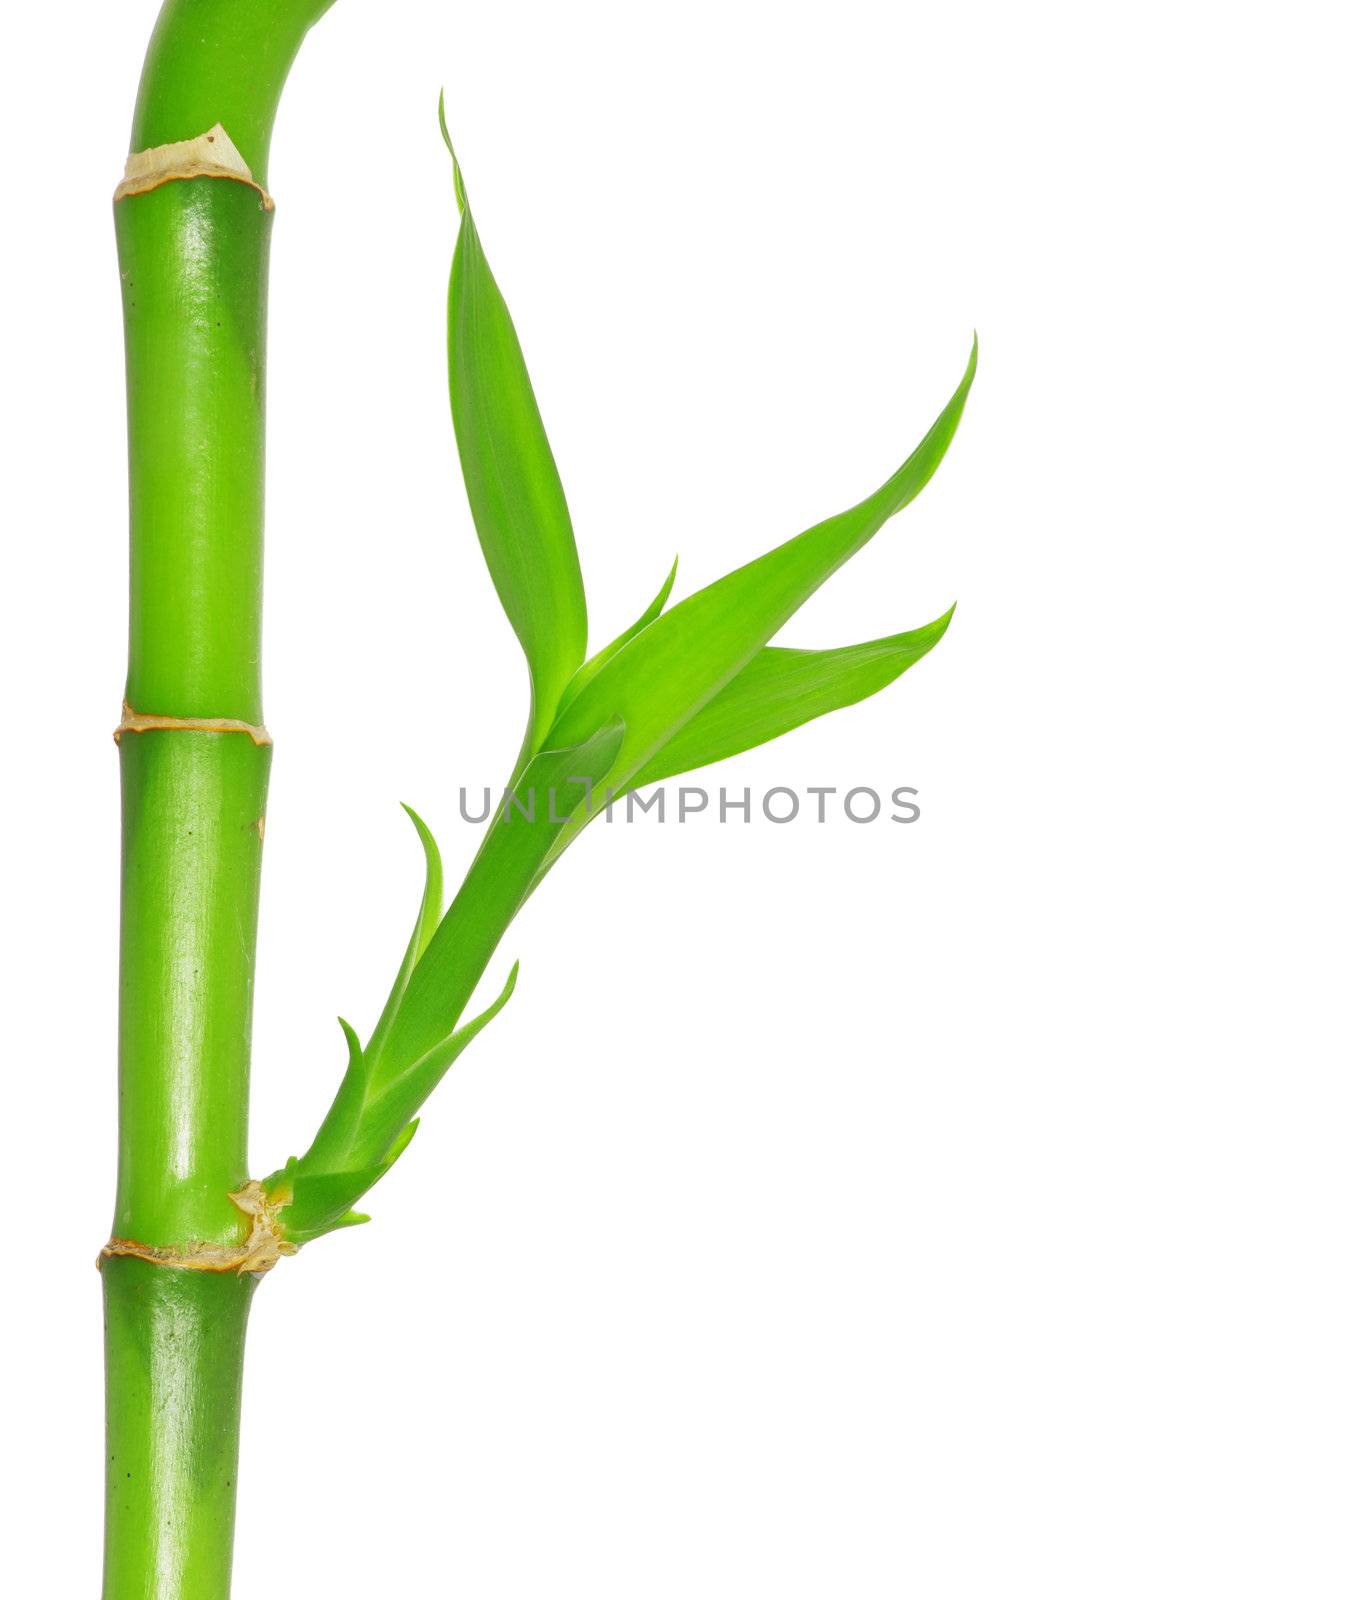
[(400, 1146), (588, 669), (459, 187), (942, 624), (781, 689), (676, 666), (431, 905), (404, 1095), (513, 487), (430, 914)]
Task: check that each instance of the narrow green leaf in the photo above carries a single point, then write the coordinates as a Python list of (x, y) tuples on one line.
[(516, 496), (333, 1142), (678, 663), (549, 794), (402, 1143), (323, 1201), (781, 689), (591, 667), (430, 912), (407, 1093)]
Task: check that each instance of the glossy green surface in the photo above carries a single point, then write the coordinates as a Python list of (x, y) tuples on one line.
[(191, 865), (193, 270), (174, 1361), (193, 274)]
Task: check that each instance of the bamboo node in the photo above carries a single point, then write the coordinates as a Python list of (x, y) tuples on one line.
[(258, 1253), (150, 722), (208, 155)]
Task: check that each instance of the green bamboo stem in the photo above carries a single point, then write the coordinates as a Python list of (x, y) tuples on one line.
[(173, 1371), (193, 264), (193, 268)]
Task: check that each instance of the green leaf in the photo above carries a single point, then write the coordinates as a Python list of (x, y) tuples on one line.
[(680, 662), (407, 1093), (333, 1142), (323, 1201), (512, 483), (494, 888), (781, 689), (430, 911), (402, 1142), (591, 667)]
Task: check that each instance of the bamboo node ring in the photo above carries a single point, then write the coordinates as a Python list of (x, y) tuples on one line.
[(208, 155), (150, 722), (258, 1253)]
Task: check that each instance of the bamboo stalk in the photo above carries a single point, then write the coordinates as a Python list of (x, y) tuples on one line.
[(193, 254), (679, 689)]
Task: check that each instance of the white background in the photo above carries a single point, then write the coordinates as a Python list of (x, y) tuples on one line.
[(973, 1209)]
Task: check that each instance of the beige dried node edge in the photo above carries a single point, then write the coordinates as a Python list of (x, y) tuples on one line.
[(259, 1252), (208, 155), (153, 722)]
